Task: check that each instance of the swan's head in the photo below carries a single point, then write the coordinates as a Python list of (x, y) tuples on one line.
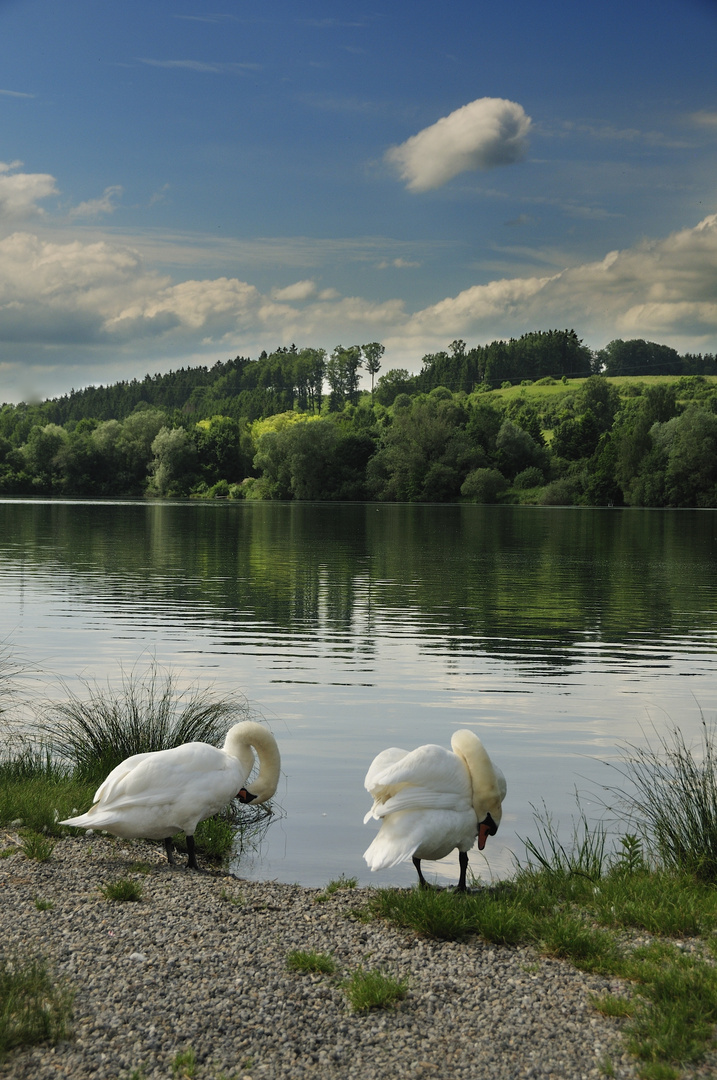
[(487, 781), (241, 742)]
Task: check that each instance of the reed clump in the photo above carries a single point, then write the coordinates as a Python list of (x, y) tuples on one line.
[(51, 773)]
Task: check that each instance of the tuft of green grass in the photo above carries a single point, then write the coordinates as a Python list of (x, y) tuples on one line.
[(333, 887), (672, 797), (124, 889), (185, 1064), (310, 962), (38, 847), (43, 905), (374, 989), (33, 1009), (139, 868), (92, 734)]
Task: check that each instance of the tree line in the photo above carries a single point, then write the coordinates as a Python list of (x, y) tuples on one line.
[(294, 424)]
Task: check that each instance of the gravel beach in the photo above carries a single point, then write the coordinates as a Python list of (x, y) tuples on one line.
[(200, 962)]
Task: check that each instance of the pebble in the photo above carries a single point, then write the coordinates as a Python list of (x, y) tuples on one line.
[(200, 963)]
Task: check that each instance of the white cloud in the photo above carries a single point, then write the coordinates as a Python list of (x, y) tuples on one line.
[(99, 302), (481, 135), (20, 192), (300, 290), (106, 204)]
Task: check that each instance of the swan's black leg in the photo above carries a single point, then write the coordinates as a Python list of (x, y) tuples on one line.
[(422, 883), (192, 863), (463, 863), (169, 848)]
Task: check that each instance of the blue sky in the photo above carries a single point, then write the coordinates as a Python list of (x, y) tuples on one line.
[(185, 182)]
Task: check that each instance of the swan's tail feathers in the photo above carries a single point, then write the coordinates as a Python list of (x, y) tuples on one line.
[(382, 856), (84, 821)]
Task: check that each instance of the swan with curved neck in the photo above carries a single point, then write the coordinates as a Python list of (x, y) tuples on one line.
[(164, 792), (431, 800)]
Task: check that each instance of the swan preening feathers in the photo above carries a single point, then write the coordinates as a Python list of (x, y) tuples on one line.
[(431, 800), (156, 795)]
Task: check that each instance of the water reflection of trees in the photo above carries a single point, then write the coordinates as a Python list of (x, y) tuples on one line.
[(501, 580)]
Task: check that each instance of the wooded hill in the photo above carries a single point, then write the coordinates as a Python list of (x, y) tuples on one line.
[(540, 418)]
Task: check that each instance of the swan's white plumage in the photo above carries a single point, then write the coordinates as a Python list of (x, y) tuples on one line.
[(431, 800), (159, 794)]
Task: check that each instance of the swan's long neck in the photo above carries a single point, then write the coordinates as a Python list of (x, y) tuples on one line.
[(241, 742), (487, 782)]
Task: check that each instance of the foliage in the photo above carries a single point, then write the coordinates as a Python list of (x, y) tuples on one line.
[(310, 962), (147, 712), (33, 1009), (374, 989), (671, 797), (123, 890), (618, 433)]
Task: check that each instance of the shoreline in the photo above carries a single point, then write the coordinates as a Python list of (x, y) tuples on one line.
[(200, 962)]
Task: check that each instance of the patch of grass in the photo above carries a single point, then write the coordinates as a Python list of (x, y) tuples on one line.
[(140, 868), (672, 797), (310, 962), (611, 1005), (33, 1009), (94, 733), (230, 898), (38, 847), (374, 989), (124, 889), (43, 905), (42, 801), (185, 1064), (334, 885)]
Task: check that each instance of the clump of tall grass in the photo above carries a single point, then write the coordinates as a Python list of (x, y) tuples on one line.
[(374, 989), (34, 1009), (95, 732), (672, 799)]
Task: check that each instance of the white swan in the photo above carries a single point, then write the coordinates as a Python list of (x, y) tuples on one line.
[(432, 800), (159, 794)]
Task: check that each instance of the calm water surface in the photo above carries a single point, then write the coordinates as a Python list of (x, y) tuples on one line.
[(557, 634)]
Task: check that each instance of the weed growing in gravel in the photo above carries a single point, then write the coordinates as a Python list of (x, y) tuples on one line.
[(185, 1064), (38, 847), (122, 889), (139, 868), (34, 1009), (334, 885), (374, 990), (310, 962), (43, 905)]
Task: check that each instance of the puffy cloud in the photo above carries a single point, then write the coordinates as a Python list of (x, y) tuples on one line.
[(300, 290), (20, 192), (98, 302), (104, 205), (660, 289), (481, 135)]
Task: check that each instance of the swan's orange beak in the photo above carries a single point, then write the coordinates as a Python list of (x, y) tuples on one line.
[(486, 828), (245, 796)]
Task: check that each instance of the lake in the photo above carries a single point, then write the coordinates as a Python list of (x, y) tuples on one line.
[(556, 634)]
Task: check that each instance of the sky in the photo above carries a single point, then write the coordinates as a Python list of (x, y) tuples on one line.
[(185, 182)]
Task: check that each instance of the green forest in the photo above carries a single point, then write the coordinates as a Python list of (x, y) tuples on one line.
[(537, 419)]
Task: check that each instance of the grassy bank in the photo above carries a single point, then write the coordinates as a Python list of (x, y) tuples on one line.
[(52, 770)]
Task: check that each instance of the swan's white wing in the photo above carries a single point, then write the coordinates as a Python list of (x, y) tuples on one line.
[(382, 762), (430, 767), (193, 766)]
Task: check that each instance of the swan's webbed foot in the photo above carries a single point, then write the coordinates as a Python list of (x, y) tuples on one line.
[(169, 848)]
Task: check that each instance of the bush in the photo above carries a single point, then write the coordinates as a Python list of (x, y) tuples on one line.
[(483, 485), (528, 478)]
